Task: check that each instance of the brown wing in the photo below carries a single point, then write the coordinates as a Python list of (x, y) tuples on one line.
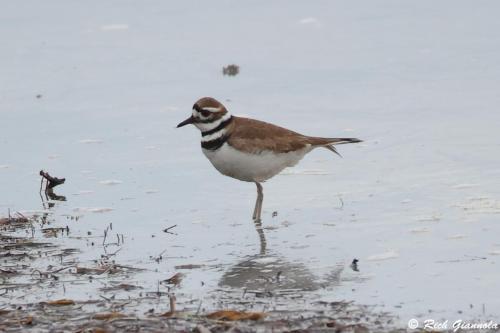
[(254, 136)]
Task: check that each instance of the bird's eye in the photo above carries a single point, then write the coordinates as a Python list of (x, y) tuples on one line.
[(205, 113)]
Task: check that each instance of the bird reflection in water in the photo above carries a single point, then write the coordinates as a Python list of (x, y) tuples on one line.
[(271, 273)]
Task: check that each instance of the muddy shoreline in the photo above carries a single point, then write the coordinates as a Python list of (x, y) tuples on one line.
[(119, 303)]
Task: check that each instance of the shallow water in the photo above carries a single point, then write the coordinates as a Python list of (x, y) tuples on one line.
[(418, 203)]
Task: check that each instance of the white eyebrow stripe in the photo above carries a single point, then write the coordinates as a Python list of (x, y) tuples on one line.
[(214, 136), (212, 109)]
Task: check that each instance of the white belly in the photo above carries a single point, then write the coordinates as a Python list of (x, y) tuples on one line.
[(252, 167)]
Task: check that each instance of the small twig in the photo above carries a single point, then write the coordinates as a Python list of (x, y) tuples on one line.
[(107, 299), (105, 235), (114, 253), (199, 308), (61, 269), (51, 181), (107, 270), (167, 229)]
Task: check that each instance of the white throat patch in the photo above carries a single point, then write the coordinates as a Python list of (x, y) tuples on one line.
[(214, 136)]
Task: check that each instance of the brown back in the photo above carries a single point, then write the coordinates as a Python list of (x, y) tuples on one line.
[(254, 136)]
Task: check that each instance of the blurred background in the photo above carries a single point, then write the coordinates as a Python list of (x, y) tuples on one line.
[(92, 91)]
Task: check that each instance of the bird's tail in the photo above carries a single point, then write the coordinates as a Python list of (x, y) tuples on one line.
[(330, 143)]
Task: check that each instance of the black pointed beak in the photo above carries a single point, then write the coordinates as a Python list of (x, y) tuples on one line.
[(188, 121)]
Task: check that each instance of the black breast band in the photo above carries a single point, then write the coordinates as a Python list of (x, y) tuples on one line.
[(214, 144), (218, 128)]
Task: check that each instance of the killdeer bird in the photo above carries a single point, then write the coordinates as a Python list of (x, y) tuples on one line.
[(251, 150)]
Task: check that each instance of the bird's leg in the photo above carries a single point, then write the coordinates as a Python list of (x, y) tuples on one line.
[(258, 203), (262, 237), (261, 199)]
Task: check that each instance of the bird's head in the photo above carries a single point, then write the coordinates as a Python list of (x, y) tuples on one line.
[(208, 113)]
